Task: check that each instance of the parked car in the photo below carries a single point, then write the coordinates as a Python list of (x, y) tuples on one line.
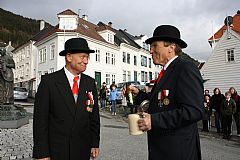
[(20, 93), (134, 83)]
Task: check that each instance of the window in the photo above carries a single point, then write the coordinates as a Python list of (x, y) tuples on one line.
[(143, 61), (129, 75), (124, 56), (135, 75), (124, 76), (28, 52), (150, 62), (145, 77), (142, 76), (230, 55), (108, 79), (150, 76), (107, 58), (51, 70), (27, 68), (113, 59), (110, 38), (97, 54), (113, 77), (135, 60), (128, 58), (52, 51), (42, 55)]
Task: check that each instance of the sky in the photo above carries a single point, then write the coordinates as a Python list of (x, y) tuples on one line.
[(197, 20)]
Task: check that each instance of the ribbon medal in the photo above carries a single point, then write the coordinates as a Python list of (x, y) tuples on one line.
[(164, 95)]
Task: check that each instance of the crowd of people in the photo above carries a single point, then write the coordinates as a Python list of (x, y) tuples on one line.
[(224, 108)]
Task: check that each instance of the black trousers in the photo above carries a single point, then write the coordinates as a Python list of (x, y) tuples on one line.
[(205, 125), (227, 125), (237, 120)]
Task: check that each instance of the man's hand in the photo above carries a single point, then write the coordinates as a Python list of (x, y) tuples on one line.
[(133, 89), (144, 123), (94, 153)]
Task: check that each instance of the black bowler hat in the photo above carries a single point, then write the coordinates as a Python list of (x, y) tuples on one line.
[(76, 45), (167, 33)]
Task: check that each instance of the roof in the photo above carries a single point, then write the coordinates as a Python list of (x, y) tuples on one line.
[(236, 28), (91, 30), (67, 12)]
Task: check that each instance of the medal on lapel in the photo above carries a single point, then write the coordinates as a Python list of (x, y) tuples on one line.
[(165, 94)]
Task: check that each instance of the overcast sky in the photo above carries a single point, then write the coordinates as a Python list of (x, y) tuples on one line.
[(196, 19)]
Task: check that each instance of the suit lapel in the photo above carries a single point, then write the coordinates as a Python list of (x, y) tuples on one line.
[(65, 90), (164, 78)]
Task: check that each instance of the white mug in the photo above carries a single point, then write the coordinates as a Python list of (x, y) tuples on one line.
[(133, 124)]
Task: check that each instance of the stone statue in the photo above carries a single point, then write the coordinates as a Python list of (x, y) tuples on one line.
[(6, 77)]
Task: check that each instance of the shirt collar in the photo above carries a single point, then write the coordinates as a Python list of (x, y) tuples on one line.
[(169, 62), (70, 76)]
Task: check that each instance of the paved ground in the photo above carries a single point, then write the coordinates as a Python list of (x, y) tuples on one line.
[(116, 143)]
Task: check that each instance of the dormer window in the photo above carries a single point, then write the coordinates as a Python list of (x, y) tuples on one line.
[(67, 23), (110, 38)]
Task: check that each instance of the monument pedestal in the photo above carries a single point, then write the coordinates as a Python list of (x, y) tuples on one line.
[(12, 116)]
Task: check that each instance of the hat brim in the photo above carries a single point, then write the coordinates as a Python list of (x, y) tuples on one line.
[(72, 51), (180, 42)]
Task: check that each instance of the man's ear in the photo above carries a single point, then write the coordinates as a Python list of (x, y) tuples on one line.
[(68, 57)]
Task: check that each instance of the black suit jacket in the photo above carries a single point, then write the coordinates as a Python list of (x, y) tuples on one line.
[(63, 129), (174, 134)]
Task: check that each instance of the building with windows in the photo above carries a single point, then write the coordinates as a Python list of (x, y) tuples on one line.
[(221, 70), (119, 55), (24, 57)]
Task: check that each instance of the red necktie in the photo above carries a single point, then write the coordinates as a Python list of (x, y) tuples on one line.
[(160, 75), (75, 85)]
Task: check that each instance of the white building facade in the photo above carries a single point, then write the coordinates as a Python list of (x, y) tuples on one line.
[(116, 58)]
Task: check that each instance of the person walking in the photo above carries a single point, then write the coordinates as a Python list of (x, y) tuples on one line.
[(113, 98), (66, 121), (103, 95), (176, 100)]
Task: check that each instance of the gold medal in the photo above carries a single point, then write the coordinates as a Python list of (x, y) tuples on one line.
[(166, 101)]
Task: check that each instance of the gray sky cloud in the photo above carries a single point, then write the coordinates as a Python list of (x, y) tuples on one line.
[(196, 19)]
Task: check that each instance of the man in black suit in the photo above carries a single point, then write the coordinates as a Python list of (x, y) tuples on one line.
[(66, 123), (176, 100)]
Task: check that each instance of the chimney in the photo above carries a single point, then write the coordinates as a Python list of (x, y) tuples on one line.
[(85, 17), (42, 25), (110, 24)]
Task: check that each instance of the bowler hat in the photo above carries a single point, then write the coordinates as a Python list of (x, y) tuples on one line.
[(167, 33), (76, 45)]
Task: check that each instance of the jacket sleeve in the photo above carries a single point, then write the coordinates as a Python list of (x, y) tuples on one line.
[(95, 119), (40, 121), (189, 101)]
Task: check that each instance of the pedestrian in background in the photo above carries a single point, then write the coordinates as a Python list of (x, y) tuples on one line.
[(124, 100), (207, 113), (228, 108), (113, 98), (103, 95), (216, 101), (176, 100), (66, 123), (236, 115)]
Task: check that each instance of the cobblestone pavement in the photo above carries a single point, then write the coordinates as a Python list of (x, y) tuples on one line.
[(116, 143)]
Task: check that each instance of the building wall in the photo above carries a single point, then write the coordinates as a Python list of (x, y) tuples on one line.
[(220, 73)]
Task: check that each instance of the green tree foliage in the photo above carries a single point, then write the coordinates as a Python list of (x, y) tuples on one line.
[(16, 28)]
